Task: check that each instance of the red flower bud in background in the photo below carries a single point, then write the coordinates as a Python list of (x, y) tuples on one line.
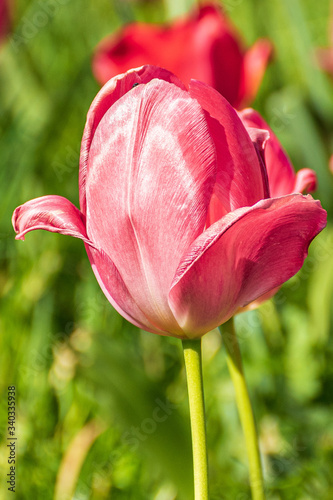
[(202, 45), (175, 210), (4, 19)]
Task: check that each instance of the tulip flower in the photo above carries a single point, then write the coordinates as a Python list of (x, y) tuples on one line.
[(175, 210), (202, 45)]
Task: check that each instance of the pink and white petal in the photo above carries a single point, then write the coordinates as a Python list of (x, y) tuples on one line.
[(240, 180), (241, 257), (116, 292), (306, 181), (254, 66), (52, 213), (142, 216), (113, 90)]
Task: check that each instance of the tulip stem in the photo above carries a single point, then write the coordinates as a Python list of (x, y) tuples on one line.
[(234, 362), (193, 365)]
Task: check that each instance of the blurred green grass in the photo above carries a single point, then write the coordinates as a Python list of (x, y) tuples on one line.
[(74, 360)]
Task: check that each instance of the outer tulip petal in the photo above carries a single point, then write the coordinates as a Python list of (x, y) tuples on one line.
[(116, 291), (241, 179), (260, 300), (241, 257), (281, 176), (52, 213), (108, 95), (155, 170), (254, 66)]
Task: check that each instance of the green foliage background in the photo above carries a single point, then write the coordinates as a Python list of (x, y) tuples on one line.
[(82, 373)]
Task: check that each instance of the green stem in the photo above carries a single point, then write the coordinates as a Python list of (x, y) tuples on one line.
[(235, 366), (193, 364)]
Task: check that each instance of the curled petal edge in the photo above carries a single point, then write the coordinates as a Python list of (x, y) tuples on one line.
[(58, 215), (51, 213), (306, 181)]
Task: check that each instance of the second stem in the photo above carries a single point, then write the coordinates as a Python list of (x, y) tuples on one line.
[(234, 362)]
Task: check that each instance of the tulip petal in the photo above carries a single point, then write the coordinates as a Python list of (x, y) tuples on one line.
[(254, 66), (259, 138), (260, 300), (57, 214), (106, 97), (52, 213), (155, 170), (116, 292), (281, 176), (241, 257), (241, 179)]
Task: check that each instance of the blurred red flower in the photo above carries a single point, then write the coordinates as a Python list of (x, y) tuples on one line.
[(4, 19), (325, 54), (203, 46)]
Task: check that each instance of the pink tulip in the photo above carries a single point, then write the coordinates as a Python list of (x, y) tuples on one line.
[(202, 45), (175, 209)]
